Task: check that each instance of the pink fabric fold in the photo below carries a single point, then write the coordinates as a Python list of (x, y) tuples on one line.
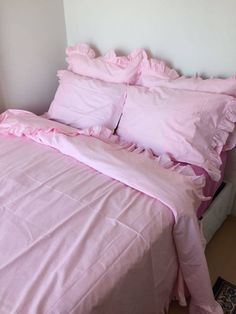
[(180, 192)]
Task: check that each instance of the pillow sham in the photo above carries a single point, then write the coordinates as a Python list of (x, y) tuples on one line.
[(191, 127), (211, 85), (82, 60), (83, 102)]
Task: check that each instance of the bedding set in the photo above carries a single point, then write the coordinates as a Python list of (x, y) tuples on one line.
[(99, 197)]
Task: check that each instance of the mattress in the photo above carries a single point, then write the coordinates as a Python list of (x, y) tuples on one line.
[(87, 226)]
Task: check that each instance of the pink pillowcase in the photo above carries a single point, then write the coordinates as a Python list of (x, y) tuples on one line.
[(82, 60), (191, 127), (153, 71), (211, 85), (83, 102)]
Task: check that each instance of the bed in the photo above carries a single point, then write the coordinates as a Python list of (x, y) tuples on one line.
[(91, 222)]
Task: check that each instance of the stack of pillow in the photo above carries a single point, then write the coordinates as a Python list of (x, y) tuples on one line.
[(148, 103)]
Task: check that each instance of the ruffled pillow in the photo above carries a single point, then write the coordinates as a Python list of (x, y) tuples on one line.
[(84, 102), (131, 69), (212, 85), (82, 60), (190, 126)]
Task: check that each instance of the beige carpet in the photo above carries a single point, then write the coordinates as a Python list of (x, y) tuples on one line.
[(221, 257)]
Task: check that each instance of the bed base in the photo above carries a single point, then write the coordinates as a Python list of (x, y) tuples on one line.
[(217, 212)]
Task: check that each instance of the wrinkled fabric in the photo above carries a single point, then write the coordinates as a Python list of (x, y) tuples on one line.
[(180, 192)]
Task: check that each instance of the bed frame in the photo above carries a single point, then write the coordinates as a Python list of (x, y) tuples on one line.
[(217, 212), (224, 203)]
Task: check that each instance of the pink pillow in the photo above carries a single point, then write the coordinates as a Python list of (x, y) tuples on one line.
[(82, 60), (211, 85), (191, 127), (83, 102)]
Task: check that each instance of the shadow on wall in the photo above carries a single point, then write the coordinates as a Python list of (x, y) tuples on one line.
[(2, 108), (32, 49), (2, 105)]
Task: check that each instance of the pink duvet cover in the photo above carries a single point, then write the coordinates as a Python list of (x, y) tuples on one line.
[(74, 240)]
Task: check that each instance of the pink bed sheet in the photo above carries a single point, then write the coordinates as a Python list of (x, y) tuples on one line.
[(73, 240)]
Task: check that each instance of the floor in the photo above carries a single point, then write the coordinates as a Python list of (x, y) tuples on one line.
[(221, 257)]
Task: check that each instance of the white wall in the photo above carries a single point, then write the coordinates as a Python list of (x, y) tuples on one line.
[(195, 36), (32, 44)]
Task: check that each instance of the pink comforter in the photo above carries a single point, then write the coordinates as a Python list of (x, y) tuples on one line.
[(75, 275)]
